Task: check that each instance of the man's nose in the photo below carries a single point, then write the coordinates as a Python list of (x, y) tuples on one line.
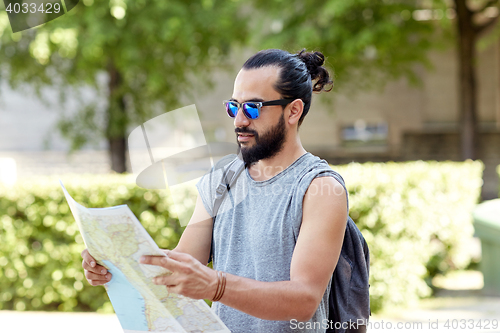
[(241, 120)]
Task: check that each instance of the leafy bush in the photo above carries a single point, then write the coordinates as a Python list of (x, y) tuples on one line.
[(415, 217), (40, 245)]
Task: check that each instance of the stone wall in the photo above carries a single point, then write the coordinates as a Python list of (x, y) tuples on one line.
[(446, 146), (37, 163), (437, 146)]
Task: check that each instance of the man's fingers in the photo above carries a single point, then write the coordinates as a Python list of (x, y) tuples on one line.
[(174, 289), (153, 260), (96, 277), (98, 269), (164, 262), (96, 283), (179, 256), (88, 258), (166, 280)]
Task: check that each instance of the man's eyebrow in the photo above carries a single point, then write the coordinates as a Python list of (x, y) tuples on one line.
[(256, 99)]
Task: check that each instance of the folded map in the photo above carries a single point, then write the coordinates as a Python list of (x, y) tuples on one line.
[(117, 240)]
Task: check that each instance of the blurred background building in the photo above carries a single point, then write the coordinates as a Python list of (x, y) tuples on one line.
[(398, 123), (414, 80)]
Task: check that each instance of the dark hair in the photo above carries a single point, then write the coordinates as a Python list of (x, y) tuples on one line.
[(297, 71)]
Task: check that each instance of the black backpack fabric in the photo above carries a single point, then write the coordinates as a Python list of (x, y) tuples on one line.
[(349, 299), (349, 302)]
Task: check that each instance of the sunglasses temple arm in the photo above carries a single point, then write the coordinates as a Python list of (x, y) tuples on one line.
[(278, 102)]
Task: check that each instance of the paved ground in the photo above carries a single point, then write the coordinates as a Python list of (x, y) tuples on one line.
[(57, 322), (474, 314), (433, 316)]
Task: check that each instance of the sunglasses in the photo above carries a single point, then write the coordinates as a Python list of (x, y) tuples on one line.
[(251, 109)]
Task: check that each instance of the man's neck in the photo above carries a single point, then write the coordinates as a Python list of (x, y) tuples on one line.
[(270, 167)]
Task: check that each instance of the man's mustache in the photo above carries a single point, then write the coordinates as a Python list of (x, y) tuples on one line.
[(245, 130)]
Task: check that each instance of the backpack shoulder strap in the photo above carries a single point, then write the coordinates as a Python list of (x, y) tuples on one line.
[(229, 177)]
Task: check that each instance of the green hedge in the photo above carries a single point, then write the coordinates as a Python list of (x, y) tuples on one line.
[(40, 245), (415, 217)]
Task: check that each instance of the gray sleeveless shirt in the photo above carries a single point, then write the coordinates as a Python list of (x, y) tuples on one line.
[(255, 233)]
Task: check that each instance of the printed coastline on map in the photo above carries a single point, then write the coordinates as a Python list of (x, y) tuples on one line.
[(116, 239)]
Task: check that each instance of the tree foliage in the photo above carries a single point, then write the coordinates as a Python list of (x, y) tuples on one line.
[(150, 50), (367, 42), (371, 42)]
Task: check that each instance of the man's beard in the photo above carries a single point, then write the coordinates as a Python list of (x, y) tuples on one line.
[(266, 145)]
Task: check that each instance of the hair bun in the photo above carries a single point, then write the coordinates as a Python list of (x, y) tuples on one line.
[(314, 62)]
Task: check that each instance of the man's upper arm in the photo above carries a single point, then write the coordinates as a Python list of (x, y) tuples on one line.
[(324, 218), (196, 239)]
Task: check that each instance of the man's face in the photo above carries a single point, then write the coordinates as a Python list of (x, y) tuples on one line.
[(264, 137)]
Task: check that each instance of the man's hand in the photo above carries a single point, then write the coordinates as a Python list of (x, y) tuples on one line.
[(189, 277), (96, 274)]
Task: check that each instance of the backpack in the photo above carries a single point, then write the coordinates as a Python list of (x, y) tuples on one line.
[(349, 300)]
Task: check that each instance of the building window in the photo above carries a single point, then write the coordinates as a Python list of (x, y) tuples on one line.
[(362, 133)]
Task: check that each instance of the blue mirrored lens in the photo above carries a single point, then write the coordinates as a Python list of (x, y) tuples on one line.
[(232, 109), (251, 110)]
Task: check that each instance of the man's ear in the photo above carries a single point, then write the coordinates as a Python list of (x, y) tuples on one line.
[(296, 109)]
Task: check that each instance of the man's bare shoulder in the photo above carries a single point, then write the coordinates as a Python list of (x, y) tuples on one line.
[(327, 187)]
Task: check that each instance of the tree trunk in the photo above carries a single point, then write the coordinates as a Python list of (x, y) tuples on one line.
[(467, 72), (117, 122)]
